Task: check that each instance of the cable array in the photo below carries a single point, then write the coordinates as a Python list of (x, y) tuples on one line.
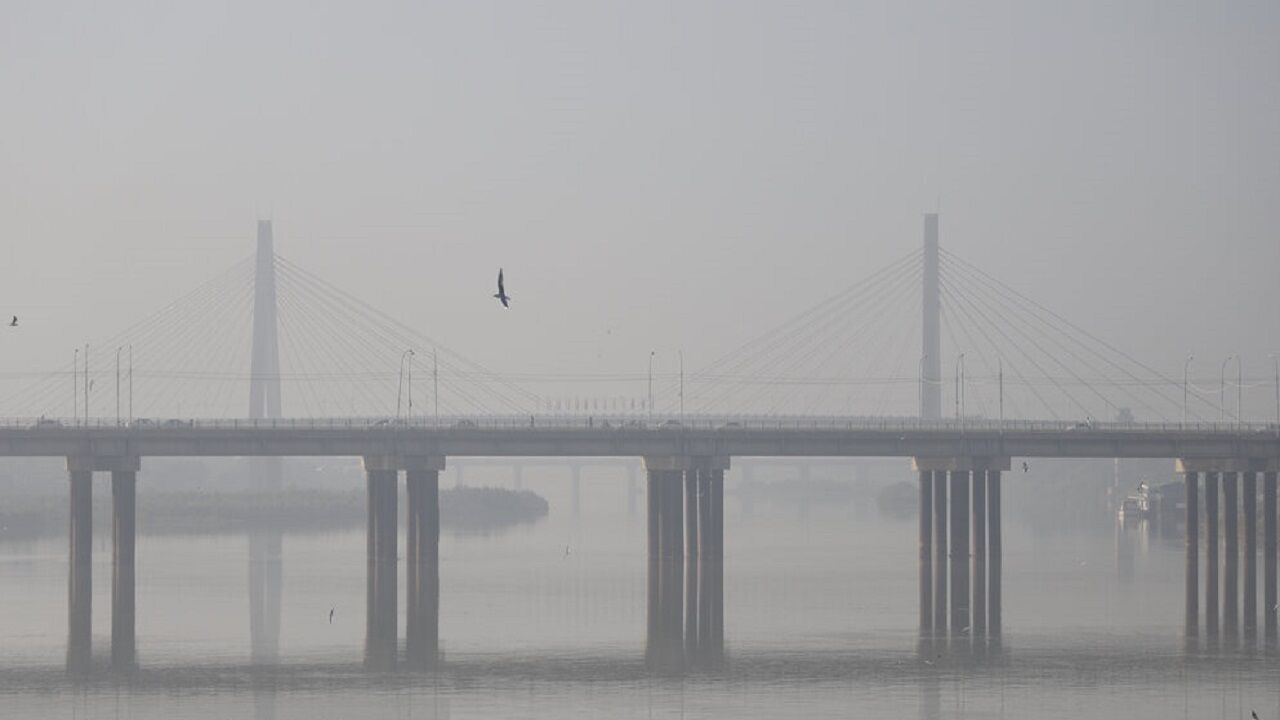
[(1032, 362), (339, 357), (845, 355), (855, 354)]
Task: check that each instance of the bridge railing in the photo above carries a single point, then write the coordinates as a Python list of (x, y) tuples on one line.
[(726, 423)]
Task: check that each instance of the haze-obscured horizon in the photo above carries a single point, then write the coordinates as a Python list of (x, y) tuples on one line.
[(652, 176)]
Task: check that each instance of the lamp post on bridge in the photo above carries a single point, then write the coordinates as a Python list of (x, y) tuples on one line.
[(1222, 390), (1275, 358), (75, 386), (1000, 380), (960, 389), (650, 405), (681, 354), (1239, 391), (1185, 366), (118, 351)]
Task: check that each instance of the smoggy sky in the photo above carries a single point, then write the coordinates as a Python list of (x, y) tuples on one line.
[(651, 175)]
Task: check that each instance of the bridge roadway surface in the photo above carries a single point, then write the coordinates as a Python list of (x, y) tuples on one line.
[(627, 437)]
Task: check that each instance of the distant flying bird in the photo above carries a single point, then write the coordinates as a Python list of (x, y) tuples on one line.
[(502, 295), (14, 321), (566, 551), (1025, 467), (1254, 713), (331, 615)]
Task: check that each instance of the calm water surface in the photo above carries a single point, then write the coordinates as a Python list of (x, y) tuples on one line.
[(820, 613)]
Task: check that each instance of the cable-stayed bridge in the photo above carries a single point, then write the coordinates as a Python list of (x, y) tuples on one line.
[(930, 335), (269, 360)]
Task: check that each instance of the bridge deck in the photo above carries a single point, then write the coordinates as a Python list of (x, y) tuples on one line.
[(627, 437)]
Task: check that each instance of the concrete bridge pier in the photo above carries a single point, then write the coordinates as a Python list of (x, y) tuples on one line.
[(959, 556), (80, 576), (685, 587), (1249, 494), (691, 560), (995, 554), (1238, 478), (926, 552), (422, 560), (380, 587), (960, 545), (940, 552), (1269, 557), (1192, 620), (1231, 570), (124, 533), (710, 590), (979, 559), (1212, 616)]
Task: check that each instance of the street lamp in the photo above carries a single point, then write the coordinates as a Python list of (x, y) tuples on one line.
[(118, 350), (681, 354), (75, 386), (1239, 390), (1185, 365), (1222, 390), (960, 388), (1276, 359), (651, 354)]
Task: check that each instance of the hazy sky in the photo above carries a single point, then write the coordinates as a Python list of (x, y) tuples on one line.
[(685, 174)]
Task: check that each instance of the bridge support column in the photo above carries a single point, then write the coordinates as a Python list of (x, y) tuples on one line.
[(124, 487), (926, 552), (1249, 492), (673, 566), (691, 558), (960, 623), (653, 585), (1269, 556), (995, 554), (1231, 572), (706, 551), (714, 557), (975, 576), (422, 561), (1193, 554), (1212, 588), (979, 621), (940, 553), (380, 610), (80, 576), (685, 611)]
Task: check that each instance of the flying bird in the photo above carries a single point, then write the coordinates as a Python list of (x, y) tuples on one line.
[(1025, 466), (1254, 713), (14, 321), (502, 295), (331, 615)]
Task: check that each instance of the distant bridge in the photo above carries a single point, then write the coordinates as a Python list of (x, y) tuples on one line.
[(827, 383)]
